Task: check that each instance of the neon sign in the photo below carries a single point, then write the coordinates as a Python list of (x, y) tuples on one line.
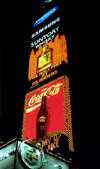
[(48, 73), (45, 38), (46, 27), (45, 16)]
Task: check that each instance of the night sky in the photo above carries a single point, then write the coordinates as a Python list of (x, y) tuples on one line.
[(84, 76)]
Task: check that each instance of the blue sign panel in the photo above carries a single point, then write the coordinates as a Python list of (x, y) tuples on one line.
[(46, 27), (45, 16)]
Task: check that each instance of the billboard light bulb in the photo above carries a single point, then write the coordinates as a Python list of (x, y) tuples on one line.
[(51, 148)]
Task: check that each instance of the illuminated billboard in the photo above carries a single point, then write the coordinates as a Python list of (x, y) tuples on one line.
[(48, 47), (45, 16), (45, 38), (46, 27), (58, 106), (53, 22), (50, 54)]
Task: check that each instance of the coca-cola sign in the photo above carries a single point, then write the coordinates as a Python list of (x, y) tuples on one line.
[(57, 105), (54, 104), (35, 100)]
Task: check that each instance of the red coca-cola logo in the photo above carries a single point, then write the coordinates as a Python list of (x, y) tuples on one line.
[(50, 91)]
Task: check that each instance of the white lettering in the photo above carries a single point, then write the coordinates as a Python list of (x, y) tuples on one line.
[(49, 35), (52, 90), (32, 44), (53, 31), (57, 28), (52, 36), (40, 39), (53, 22), (44, 36), (49, 39), (36, 42), (33, 35), (49, 25), (46, 27), (58, 19), (40, 30)]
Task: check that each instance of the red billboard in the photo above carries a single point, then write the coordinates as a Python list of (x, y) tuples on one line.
[(58, 107)]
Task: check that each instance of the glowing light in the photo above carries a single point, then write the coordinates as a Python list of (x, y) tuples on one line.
[(55, 165), (6, 155), (58, 153), (46, 27), (45, 16), (51, 148), (14, 148), (38, 153), (66, 110), (59, 47), (38, 144)]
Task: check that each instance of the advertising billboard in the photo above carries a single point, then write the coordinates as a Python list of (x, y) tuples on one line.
[(48, 55), (48, 46), (58, 110), (46, 26)]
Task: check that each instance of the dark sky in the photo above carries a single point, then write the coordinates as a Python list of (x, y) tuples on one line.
[(84, 76)]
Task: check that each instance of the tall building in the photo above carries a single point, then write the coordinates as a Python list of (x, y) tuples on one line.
[(48, 75), (47, 117)]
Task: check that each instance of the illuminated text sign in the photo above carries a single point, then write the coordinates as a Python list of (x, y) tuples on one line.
[(45, 16), (45, 38), (49, 72), (35, 100), (53, 92), (46, 27), (59, 53), (51, 145)]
